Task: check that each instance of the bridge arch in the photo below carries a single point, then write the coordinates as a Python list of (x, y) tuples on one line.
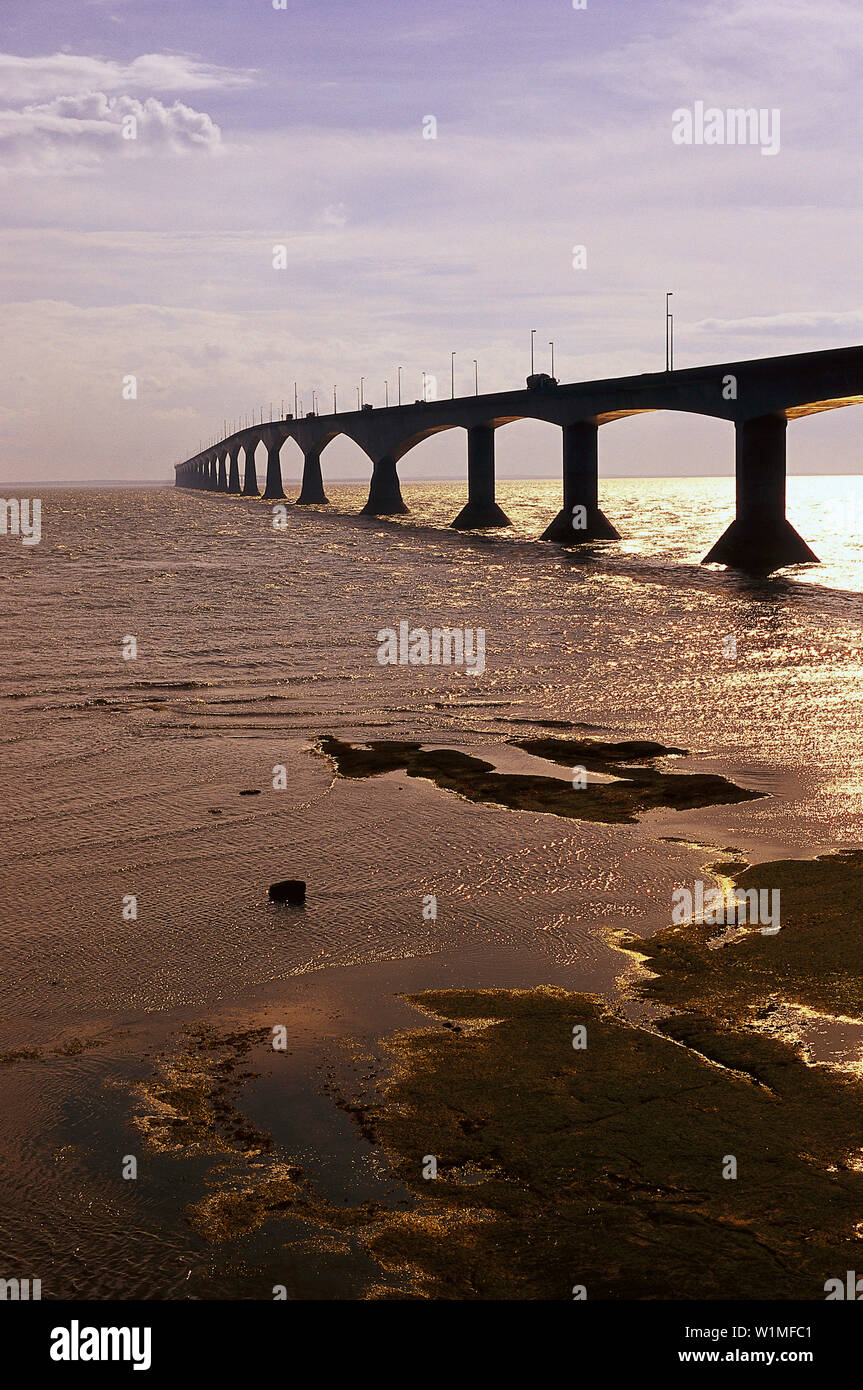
[(312, 488), (290, 462)]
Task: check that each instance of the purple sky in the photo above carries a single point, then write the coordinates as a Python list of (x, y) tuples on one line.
[(303, 127)]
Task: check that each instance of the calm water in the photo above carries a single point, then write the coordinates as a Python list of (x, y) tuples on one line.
[(123, 777)]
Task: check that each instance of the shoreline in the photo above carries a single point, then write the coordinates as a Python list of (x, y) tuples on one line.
[(532, 1138), (304, 1187), (431, 1242)]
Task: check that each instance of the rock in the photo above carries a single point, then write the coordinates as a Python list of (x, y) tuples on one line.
[(289, 890)]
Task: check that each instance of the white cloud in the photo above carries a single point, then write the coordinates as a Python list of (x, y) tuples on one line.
[(35, 79), (66, 111), (72, 135), (814, 322), (740, 51)]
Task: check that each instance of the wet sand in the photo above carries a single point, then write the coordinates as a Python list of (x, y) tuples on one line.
[(603, 1167)]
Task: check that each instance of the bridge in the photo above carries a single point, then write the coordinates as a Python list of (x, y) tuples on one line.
[(759, 396)]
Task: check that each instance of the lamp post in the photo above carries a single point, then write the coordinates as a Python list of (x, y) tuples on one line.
[(362, 390), (669, 333), (475, 377), (400, 384), (295, 401), (532, 336), (335, 403), (424, 385), (358, 398), (551, 345), (452, 376), (386, 393)]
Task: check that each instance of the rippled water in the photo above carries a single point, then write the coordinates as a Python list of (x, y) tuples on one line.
[(123, 777)]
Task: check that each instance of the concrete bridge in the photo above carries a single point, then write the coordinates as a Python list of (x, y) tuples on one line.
[(760, 397)]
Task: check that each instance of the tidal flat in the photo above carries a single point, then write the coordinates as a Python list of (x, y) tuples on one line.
[(678, 1160), (635, 785), (543, 1143)]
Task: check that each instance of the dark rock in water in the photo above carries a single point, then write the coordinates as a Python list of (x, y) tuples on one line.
[(251, 791), (290, 890)]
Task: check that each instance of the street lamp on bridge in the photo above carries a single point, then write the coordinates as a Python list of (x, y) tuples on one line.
[(475, 377), (669, 334), (452, 375), (400, 370), (532, 336)]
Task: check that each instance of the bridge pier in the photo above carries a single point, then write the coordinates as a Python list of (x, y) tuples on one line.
[(212, 476), (580, 518), (760, 538), (385, 494), (250, 481), (312, 488), (481, 509), (273, 486), (234, 469), (222, 474)]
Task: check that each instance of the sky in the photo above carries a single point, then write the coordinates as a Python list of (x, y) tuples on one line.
[(428, 169)]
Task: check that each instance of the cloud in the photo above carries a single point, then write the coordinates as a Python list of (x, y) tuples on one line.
[(73, 134), (737, 49), (34, 79), (796, 323)]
